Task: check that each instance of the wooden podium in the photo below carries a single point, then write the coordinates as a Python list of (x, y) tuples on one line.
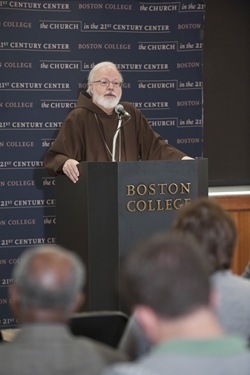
[(112, 206)]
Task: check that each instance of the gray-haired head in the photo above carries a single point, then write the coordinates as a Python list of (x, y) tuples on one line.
[(101, 65), (48, 277)]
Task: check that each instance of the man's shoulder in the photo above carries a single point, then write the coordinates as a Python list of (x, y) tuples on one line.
[(64, 350), (180, 364), (133, 368), (230, 281)]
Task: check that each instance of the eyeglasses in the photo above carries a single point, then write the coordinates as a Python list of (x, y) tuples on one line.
[(106, 83)]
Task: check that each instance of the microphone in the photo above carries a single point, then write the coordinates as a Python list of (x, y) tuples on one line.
[(119, 109)]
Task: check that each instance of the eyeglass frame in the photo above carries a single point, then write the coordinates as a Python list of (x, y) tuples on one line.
[(114, 83)]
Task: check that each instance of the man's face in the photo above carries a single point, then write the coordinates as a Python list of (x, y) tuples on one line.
[(106, 88)]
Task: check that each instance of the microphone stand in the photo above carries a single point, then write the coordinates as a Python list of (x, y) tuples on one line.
[(115, 137)]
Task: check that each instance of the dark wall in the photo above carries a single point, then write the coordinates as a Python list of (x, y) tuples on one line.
[(227, 91)]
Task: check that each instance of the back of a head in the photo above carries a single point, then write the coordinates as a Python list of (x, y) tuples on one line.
[(168, 273), (48, 277), (213, 227)]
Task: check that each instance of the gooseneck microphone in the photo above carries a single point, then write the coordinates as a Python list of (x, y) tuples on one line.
[(119, 109)]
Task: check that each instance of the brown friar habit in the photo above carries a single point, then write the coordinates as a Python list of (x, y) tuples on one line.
[(87, 135)]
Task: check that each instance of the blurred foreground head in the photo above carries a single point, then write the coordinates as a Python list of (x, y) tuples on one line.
[(213, 227), (167, 273), (48, 284)]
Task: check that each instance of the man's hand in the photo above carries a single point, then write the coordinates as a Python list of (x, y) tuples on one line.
[(187, 158), (71, 170)]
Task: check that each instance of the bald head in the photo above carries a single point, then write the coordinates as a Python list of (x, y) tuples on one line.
[(48, 278), (51, 268)]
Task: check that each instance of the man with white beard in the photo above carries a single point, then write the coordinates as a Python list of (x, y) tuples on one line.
[(88, 131)]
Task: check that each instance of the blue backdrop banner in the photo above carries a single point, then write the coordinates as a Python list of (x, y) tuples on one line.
[(47, 49)]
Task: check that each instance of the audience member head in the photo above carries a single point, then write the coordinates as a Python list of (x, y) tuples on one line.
[(213, 227), (168, 274), (48, 284)]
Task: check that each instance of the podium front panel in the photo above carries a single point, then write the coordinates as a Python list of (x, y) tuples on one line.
[(151, 193), (114, 205)]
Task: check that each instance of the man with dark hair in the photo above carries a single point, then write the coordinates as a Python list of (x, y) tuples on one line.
[(48, 288), (165, 280), (215, 229), (149, 276)]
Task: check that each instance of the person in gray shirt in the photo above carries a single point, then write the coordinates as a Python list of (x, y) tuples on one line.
[(213, 226), (215, 229), (47, 289), (165, 280)]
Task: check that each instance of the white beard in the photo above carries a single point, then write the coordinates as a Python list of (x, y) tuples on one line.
[(106, 102)]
